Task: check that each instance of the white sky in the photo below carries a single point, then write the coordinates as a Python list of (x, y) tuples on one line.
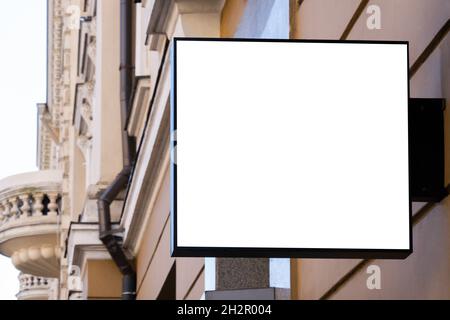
[(23, 30)]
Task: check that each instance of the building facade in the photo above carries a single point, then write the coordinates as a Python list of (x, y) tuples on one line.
[(97, 211)]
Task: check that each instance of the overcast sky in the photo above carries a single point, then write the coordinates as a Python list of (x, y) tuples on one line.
[(22, 84)]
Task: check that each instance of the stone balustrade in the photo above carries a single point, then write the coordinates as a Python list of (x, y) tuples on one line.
[(36, 288), (28, 204), (29, 282), (29, 221)]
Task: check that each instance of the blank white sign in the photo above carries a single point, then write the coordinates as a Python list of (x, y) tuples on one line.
[(290, 146)]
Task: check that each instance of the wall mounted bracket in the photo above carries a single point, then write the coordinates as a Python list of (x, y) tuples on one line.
[(427, 149)]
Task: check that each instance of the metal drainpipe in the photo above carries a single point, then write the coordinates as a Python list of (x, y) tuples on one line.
[(107, 235)]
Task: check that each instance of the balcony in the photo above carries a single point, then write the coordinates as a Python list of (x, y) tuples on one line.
[(29, 221), (36, 288)]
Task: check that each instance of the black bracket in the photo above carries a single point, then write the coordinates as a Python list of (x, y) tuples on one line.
[(427, 149)]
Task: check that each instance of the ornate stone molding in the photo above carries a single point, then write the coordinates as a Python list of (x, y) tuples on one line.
[(164, 12), (84, 91)]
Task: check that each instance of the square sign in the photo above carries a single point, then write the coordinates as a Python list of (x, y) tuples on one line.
[(287, 148)]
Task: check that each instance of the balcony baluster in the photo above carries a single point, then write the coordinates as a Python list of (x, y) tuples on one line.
[(25, 208), (38, 206)]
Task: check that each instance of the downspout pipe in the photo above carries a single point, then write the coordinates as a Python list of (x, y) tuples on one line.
[(107, 235)]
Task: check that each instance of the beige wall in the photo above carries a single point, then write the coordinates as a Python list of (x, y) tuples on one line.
[(324, 19), (154, 262), (425, 274), (153, 259), (104, 280), (190, 278), (106, 149)]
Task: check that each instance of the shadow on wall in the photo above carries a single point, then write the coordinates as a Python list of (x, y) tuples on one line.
[(265, 19)]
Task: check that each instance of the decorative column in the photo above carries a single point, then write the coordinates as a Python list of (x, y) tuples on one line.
[(37, 205), (25, 208), (6, 209), (14, 207), (52, 206)]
